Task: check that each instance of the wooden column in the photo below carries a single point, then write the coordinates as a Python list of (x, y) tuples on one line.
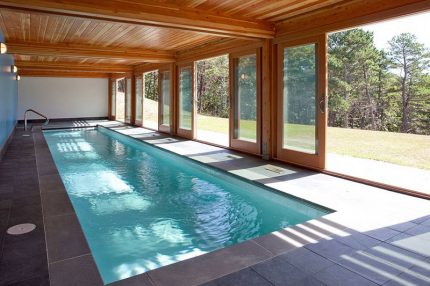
[(266, 103)]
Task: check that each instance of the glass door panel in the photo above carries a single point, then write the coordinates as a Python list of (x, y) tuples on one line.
[(246, 107), (120, 100), (299, 94), (128, 100), (165, 91), (186, 110), (139, 100), (301, 106), (113, 99), (150, 100)]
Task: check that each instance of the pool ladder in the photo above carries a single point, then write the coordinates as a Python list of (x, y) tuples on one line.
[(38, 113)]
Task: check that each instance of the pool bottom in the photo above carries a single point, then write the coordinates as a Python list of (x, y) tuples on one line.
[(124, 247)]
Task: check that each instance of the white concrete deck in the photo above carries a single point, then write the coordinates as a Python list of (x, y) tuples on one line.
[(391, 174)]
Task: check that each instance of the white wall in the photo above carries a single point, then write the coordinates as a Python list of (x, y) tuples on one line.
[(63, 97)]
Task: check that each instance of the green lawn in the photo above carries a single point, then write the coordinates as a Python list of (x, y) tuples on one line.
[(398, 148)]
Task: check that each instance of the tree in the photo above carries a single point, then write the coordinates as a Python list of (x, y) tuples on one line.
[(411, 59)]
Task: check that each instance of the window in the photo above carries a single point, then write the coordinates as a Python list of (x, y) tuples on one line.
[(150, 101)]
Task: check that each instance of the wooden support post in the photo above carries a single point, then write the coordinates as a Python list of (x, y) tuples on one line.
[(266, 103)]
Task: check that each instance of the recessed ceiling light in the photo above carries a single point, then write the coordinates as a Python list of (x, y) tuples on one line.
[(13, 69)]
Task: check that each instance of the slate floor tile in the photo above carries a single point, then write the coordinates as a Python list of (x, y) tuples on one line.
[(80, 271), (336, 275), (306, 260), (280, 272), (331, 249), (246, 277)]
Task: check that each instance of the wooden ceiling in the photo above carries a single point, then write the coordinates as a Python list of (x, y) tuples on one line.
[(116, 35)]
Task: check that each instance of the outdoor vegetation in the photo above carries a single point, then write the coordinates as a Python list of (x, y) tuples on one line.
[(385, 90), (373, 96)]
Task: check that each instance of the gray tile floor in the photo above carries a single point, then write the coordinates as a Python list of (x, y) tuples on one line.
[(23, 258), (375, 237)]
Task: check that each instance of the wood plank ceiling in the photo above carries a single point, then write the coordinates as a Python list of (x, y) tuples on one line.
[(115, 35)]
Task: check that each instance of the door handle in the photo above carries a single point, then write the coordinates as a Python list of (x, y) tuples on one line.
[(323, 104)]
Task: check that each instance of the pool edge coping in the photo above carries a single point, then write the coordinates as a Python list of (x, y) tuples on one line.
[(256, 245)]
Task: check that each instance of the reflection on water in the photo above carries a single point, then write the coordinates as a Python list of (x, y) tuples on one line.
[(142, 208)]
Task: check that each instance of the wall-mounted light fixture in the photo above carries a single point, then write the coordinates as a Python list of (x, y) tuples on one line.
[(3, 48), (13, 69), (17, 77)]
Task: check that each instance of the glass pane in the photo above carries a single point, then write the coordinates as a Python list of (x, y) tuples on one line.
[(165, 93), (139, 95), (212, 100), (299, 98), (245, 98), (113, 98), (150, 101), (120, 99), (128, 100), (185, 98)]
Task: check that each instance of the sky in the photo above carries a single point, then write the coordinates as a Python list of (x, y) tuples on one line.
[(418, 24)]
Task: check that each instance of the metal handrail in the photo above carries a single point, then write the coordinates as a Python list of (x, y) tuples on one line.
[(38, 113)]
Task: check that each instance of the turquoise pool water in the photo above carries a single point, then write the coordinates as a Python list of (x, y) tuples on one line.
[(142, 208)]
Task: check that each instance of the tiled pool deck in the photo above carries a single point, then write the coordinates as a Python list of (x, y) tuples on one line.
[(375, 237)]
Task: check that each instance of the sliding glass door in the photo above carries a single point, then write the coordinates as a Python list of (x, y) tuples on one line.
[(301, 102), (120, 99), (150, 100), (245, 94), (128, 100), (139, 100), (112, 99), (185, 101), (165, 91)]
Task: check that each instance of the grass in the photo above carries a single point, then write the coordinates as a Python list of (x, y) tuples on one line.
[(397, 148)]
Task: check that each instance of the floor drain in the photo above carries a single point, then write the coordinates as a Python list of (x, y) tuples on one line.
[(21, 229), (26, 135)]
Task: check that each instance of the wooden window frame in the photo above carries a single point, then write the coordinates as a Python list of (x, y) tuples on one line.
[(136, 121), (189, 134), (238, 144), (161, 126), (143, 99), (313, 161)]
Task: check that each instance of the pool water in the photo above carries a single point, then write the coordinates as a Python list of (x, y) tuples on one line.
[(142, 208)]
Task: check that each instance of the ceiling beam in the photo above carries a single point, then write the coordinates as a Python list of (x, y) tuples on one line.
[(150, 13), (39, 73), (347, 14), (71, 66), (69, 51)]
